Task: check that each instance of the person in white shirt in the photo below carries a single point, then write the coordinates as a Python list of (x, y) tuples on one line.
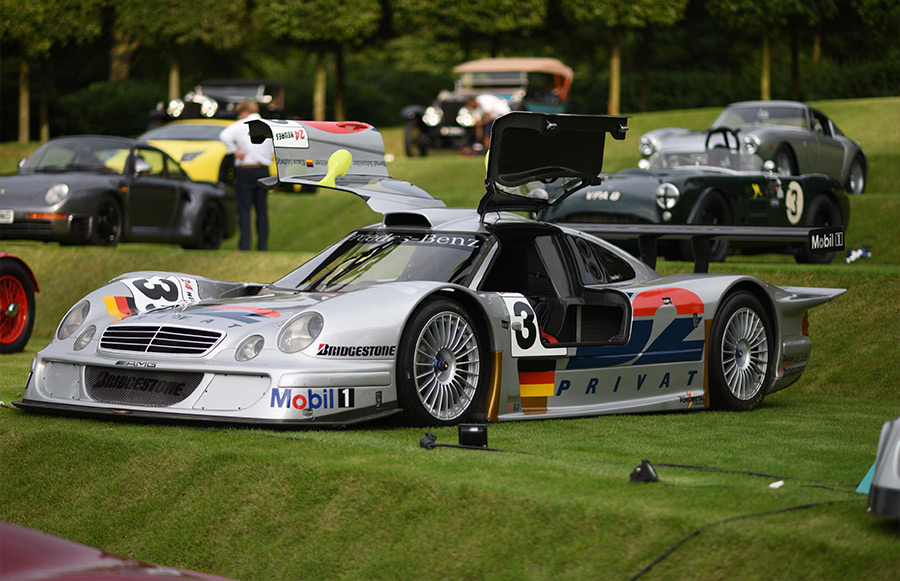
[(485, 108), (251, 162)]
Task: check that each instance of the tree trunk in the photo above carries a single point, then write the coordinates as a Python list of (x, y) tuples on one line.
[(44, 106), (340, 90), (120, 54), (319, 87), (765, 79), (795, 68), (615, 71), (174, 79), (24, 104)]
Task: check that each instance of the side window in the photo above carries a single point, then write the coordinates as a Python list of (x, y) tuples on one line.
[(599, 265), (821, 125), (174, 170), (150, 162)]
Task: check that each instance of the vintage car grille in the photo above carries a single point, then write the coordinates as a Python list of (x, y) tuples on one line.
[(159, 339), (140, 388)]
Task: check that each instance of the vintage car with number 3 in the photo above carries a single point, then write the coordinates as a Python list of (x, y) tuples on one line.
[(102, 190), (798, 138), (722, 184), (439, 315)]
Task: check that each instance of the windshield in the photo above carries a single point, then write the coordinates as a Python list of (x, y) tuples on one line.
[(368, 257), (185, 132), (718, 157), (79, 154), (761, 115)]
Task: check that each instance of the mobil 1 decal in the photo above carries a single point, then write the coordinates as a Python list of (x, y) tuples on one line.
[(666, 328)]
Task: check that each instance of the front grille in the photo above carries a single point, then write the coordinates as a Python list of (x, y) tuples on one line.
[(30, 227), (140, 388), (159, 339)]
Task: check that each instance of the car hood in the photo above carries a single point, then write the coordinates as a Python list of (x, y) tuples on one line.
[(184, 151), (676, 139), (630, 191), (26, 187)]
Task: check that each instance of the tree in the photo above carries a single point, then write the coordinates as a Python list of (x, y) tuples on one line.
[(619, 18), (175, 25), (39, 27), (470, 21), (325, 26)]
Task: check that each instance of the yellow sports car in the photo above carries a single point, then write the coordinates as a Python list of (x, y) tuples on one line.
[(195, 144)]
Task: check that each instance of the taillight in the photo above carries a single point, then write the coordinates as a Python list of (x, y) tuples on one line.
[(804, 328)]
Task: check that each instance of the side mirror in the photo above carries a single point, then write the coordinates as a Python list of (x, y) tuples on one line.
[(141, 166), (22, 162)]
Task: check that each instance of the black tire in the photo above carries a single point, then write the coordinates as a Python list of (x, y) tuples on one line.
[(856, 180), (741, 353), (106, 229), (16, 306), (822, 213), (415, 140), (712, 210), (442, 371), (210, 229), (785, 161)]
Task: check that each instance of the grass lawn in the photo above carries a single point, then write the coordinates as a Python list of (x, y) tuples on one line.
[(370, 503)]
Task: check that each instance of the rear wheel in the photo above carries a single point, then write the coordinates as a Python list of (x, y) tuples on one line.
[(856, 180), (210, 229), (106, 229), (440, 372), (17, 304), (821, 213), (741, 353), (415, 140)]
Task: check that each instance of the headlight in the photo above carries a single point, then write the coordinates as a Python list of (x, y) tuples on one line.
[(465, 117), (647, 146), (85, 338), (175, 108), (432, 116), (249, 348), (208, 107), (73, 319), (56, 194), (299, 333), (667, 196), (751, 144)]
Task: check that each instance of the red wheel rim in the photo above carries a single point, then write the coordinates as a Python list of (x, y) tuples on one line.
[(12, 293)]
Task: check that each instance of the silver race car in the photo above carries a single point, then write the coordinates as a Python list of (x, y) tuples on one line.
[(443, 315)]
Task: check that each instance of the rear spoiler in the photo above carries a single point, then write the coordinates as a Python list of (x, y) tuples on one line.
[(820, 240)]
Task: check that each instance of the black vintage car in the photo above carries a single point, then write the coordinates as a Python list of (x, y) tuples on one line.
[(721, 184), (527, 84), (101, 190), (219, 98)]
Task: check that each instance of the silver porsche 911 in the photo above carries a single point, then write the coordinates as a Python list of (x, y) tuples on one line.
[(443, 315)]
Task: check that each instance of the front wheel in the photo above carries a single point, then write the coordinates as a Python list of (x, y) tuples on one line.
[(785, 161), (856, 181), (712, 210), (741, 353), (440, 372), (106, 229), (17, 304)]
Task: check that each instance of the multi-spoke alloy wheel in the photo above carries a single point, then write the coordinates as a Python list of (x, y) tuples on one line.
[(440, 369), (741, 353)]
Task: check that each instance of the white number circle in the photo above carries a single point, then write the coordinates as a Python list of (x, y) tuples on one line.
[(793, 203)]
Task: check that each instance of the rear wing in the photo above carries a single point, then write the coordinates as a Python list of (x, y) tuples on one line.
[(820, 240), (344, 155)]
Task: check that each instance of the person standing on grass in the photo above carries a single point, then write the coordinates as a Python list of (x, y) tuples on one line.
[(251, 162)]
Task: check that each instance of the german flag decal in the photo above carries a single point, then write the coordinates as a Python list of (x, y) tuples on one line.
[(537, 381), (120, 307)]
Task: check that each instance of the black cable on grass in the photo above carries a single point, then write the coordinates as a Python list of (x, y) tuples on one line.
[(749, 473), (696, 532)]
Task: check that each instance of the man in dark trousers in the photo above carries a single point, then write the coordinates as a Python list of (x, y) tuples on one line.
[(251, 162)]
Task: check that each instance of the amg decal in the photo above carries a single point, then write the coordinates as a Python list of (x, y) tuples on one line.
[(136, 363)]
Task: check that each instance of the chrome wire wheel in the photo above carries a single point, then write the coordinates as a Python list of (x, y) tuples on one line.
[(446, 366), (745, 354)]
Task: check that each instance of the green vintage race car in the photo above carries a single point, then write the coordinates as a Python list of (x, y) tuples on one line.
[(722, 185)]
